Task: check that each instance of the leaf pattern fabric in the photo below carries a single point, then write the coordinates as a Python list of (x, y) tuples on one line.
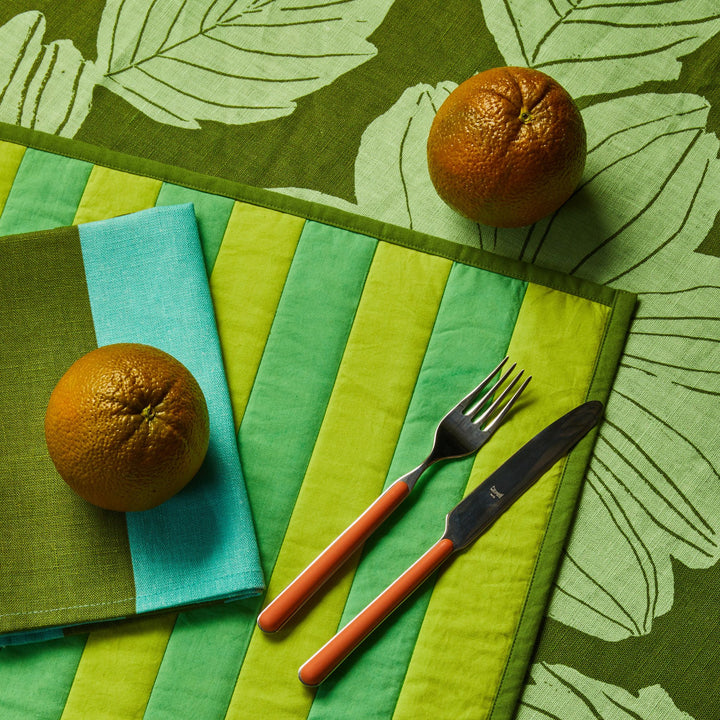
[(332, 101), (45, 86), (560, 691), (608, 46), (237, 61)]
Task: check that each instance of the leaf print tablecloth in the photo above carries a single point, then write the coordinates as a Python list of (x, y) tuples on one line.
[(332, 101)]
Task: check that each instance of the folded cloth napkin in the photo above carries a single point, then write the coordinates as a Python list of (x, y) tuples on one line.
[(63, 562)]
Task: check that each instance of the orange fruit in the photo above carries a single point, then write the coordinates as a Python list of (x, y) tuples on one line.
[(127, 426), (507, 147)]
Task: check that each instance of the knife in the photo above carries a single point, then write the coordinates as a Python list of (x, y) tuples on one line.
[(463, 525)]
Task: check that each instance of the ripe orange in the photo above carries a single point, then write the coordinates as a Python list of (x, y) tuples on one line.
[(127, 426), (507, 147)]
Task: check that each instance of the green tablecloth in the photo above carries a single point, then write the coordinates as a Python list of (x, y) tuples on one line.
[(332, 102)]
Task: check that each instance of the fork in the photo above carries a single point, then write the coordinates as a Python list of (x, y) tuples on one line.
[(461, 432)]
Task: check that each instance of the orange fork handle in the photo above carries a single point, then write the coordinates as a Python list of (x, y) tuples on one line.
[(330, 655), (292, 598)]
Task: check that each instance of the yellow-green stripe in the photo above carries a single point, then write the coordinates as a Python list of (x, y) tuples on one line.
[(470, 337), (246, 284), (348, 466), (117, 670), (489, 582), (11, 156), (110, 193)]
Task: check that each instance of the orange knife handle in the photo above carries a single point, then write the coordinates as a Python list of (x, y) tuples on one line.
[(330, 655), (294, 596)]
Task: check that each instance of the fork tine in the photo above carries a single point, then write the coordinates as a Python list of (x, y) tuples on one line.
[(484, 399), (470, 397), (492, 425)]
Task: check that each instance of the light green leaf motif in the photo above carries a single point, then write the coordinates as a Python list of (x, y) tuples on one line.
[(47, 87), (616, 226), (392, 183), (653, 483), (647, 195), (601, 47), (230, 61), (557, 691)]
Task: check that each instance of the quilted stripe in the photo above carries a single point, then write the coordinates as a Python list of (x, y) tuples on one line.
[(471, 335), (36, 678), (45, 192), (110, 193), (11, 156), (286, 406), (117, 670), (246, 284), (349, 463), (468, 659), (201, 662), (296, 376)]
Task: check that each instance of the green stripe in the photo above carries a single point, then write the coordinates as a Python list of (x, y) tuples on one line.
[(36, 678), (348, 465), (277, 435), (212, 213), (56, 530), (201, 662), (471, 335), (297, 373), (45, 193)]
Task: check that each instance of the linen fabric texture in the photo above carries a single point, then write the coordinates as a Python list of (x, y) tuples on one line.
[(137, 278)]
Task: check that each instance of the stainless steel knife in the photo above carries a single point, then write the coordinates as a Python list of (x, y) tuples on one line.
[(465, 523)]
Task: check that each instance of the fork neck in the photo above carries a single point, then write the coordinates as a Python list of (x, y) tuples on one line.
[(412, 477)]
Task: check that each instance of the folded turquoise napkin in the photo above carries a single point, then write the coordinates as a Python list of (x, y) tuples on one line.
[(137, 278)]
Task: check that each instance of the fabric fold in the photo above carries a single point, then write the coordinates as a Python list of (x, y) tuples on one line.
[(136, 278)]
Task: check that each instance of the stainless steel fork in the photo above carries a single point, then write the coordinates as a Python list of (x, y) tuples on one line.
[(463, 431)]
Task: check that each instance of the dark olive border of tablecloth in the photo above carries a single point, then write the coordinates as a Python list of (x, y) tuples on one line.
[(621, 305)]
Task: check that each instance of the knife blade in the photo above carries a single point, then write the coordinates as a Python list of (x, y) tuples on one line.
[(467, 521)]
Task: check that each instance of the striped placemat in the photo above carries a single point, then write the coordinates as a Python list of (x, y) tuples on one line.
[(343, 341)]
